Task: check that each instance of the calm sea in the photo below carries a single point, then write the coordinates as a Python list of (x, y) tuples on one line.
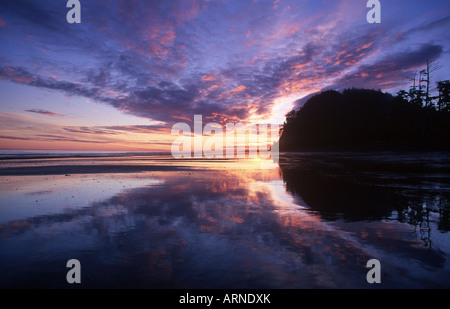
[(311, 221)]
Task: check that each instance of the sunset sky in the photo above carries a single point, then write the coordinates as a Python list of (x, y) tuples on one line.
[(132, 69)]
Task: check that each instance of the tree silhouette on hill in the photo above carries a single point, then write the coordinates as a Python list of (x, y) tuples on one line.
[(362, 116)]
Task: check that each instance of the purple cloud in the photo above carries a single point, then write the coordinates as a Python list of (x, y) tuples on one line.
[(44, 112), (169, 60)]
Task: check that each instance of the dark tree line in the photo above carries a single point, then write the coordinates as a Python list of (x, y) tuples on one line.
[(333, 119), (419, 96)]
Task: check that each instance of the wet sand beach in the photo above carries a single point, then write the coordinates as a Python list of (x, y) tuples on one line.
[(311, 221)]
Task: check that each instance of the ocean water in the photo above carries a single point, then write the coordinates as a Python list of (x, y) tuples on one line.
[(30, 154), (139, 220)]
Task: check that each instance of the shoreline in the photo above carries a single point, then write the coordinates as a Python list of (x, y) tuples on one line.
[(60, 155), (86, 169), (387, 160)]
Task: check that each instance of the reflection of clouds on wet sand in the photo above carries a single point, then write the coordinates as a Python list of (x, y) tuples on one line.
[(218, 228), (27, 196)]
